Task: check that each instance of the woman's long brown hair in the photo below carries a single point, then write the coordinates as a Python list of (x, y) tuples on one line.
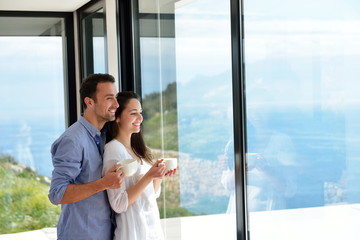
[(137, 140)]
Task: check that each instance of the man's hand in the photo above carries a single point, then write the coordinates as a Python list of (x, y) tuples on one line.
[(77, 192), (114, 177)]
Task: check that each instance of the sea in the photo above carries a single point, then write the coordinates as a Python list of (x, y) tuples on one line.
[(29, 142)]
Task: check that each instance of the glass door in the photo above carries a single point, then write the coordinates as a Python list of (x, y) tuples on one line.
[(186, 86)]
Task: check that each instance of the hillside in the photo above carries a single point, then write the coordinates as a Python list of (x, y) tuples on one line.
[(191, 130), (161, 124), (24, 205)]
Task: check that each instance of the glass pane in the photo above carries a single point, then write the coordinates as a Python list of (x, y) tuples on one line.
[(187, 102), (32, 117), (94, 42), (301, 64)]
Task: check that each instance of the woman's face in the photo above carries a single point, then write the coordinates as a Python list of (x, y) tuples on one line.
[(131, 117)]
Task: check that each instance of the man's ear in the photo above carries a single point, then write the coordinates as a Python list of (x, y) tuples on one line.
[(89, 102)]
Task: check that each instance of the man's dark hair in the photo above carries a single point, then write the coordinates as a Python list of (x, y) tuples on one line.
[(89, 85)]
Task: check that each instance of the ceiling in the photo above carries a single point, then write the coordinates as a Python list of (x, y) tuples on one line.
[(42, 5), (146, 6)]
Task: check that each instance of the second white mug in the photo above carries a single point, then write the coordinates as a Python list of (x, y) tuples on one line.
[(170, 163)]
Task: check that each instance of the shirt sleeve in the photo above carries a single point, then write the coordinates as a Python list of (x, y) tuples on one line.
[(118, 198), (67, 160), (158, 192)]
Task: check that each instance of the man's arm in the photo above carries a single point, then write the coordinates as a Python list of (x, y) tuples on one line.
[(78, 192)]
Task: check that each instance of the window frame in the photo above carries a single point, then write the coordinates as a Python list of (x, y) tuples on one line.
[(239, 120), (85, 50)]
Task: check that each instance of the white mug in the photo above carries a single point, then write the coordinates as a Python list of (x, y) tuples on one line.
[(128, 166), (170, 163)]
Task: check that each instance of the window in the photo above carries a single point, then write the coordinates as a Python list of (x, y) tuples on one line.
[(34, 113), (185, 59), (302, 119), (93, 40)]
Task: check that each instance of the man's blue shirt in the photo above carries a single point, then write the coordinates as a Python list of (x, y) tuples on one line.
[(78, 160)]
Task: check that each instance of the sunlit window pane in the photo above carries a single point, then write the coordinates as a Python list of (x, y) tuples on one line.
[(93, 41), (187, 101), (32, 117), (301, 65)]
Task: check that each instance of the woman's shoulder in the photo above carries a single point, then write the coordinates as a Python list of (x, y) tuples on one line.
[(114, 150), (114, 144)]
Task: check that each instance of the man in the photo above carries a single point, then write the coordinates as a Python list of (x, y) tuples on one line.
[(77, 158)]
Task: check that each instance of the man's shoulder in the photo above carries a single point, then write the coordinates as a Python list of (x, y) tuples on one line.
[(76, 128), (74, 137), (75, 132)]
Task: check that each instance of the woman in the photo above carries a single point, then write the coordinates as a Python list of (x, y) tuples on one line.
[(135, 203)]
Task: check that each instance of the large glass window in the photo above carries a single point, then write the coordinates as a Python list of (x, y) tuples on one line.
[(33, 115), (301, 65), (185, 57)]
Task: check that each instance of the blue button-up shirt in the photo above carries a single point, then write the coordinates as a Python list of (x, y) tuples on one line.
[(77, 160)]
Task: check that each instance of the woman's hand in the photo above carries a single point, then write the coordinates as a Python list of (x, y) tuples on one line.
[(171, 172), (158, 170)]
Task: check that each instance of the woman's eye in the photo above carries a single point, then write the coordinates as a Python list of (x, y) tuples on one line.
[(136, 113)]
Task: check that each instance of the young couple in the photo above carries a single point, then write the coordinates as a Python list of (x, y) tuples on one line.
[(82, 172)]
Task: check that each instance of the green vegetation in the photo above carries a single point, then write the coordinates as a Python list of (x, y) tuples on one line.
[(24, 205), (165, 119), (152, 128), (174, 212)]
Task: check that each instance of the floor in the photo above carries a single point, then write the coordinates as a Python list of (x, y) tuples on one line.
[(330, 223)]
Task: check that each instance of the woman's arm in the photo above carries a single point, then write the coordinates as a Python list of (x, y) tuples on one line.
[(113, 153), (157, 171), (158, 181), (157, 185)]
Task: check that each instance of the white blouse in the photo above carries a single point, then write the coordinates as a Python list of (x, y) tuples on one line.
[(141, 220)]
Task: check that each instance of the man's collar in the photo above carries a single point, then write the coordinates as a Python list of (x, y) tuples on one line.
[(91, 128)]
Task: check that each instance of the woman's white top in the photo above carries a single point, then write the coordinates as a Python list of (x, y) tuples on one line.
[(141, 220)]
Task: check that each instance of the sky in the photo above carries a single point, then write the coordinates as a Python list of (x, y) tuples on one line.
[(31, 75)]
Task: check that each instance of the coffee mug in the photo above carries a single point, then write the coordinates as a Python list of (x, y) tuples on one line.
[(170, 163), (128, 166)]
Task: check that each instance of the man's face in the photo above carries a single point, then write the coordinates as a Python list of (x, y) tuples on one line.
[(105, 103)]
